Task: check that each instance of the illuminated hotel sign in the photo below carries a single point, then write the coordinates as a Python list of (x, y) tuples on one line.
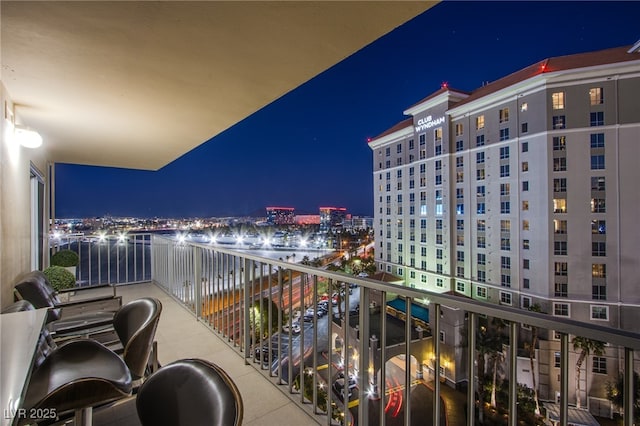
[(428, 122)]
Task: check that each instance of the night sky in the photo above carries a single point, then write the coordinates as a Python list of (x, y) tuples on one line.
[(309, 148)]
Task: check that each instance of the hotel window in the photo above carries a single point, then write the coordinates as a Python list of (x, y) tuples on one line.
[(504, 152), (459, 162), (597, 162), (460, 208), (557, 100), (481, 208), (387, 164), (423, 251), (525, 263), (459, 146), (439, 268), (460, 240), (480, 122), (505, 262), (524, 107), (596, 96), (480, 174), (596, 119), (411, 144), (399, 161), (598, 205), (460, 256), (560, 164), (525, 185), (599, 312), (597, 140), (438, 238), (561, 269), (525, 225), (556, 359), (599, 292), (438, 253), (559, 205), (437, 134), (599, 364), (504, 134), (423, 278), (505, 298), (459, 177), (504, 170), (503, 115), (399, 149), (599, 227), (559, 143), (480, 140), (525, 244), (439, 282), (505, 280), (438, 165), (525, 166), (481, 292), (460, 224), (459, 129), (482, 276), (598, 270), (481, 241), (481, 225), (438, 224), (482, 259), (598, 248), (524, 127), (480, 191), (597, 183), (459, 286), (561, 290), (387, 151), (560, 185), (438, 149), (438, 179), (558, 121), (505, 244), (505, 189), (560, 248), (525, 146), (561, 309), (505, 207), (560, 226)]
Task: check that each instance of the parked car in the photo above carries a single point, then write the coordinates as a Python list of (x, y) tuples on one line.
[(338, 386), (295, 327)]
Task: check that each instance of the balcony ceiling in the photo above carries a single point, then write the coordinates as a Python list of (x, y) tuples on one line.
[(137, 84)]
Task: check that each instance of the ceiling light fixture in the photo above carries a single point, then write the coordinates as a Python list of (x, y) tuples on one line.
[(27, 137)]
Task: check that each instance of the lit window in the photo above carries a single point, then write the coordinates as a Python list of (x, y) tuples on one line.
[(561, 269), (525, 166), (505, 189), (560, 226), (525, 244), (559, 205), (438, 134), (599, 270), (559, 143), (596, 96), (560, 164), (557, 100), (525, 225), (598, 205), (459, 129), (504, 115), (480, 122), (524, 107)]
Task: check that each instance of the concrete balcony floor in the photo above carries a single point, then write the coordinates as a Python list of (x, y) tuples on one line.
[(180, 335)]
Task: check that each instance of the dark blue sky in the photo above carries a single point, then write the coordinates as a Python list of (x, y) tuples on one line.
[(308, 149)]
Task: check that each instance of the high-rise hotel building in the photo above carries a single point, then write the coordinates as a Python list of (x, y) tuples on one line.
[(523, 191)]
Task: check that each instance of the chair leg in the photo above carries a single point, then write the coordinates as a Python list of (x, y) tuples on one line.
[(84, 417)]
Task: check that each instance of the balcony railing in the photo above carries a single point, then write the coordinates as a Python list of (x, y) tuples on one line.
[(108, 259), (380, 345)]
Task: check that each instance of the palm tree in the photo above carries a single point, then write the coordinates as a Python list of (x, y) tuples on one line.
[(586, 347), (499, 338), (532, 350)]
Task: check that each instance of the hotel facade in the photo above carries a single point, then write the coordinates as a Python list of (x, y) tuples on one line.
[(522, 192)]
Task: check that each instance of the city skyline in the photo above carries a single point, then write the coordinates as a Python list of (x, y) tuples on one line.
[(309, 148)]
